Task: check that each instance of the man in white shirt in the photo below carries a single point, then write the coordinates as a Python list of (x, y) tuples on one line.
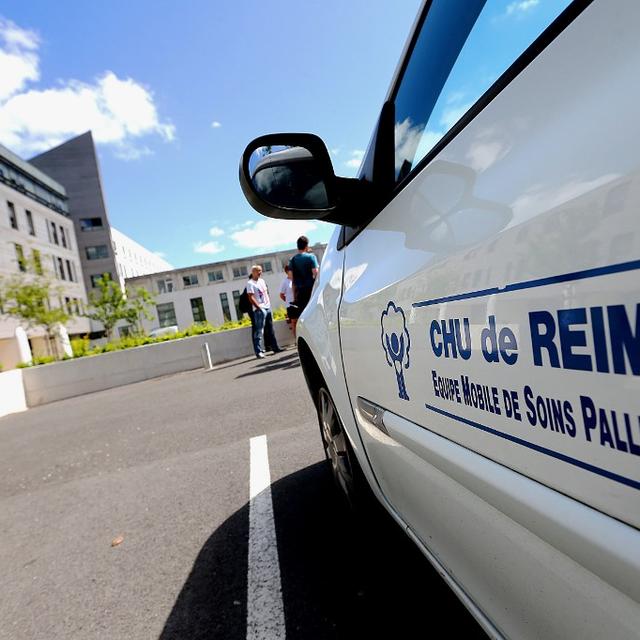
[(261, 309), (286, 295)]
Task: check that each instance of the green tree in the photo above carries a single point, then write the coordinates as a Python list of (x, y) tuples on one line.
[(27, 298), (139, 301), (108, 305)]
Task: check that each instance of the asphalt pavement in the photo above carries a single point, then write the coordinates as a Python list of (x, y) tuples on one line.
[(161, 469)]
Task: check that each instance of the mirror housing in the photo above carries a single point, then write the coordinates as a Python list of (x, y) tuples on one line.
[(290, 176)]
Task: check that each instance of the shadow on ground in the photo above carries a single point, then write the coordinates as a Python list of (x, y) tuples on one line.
[(341, 577), (290, 361)]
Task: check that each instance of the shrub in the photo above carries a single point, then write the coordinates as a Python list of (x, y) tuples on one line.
[(80, 346)]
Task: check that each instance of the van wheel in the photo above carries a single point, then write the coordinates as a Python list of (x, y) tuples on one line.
[(337, 448)]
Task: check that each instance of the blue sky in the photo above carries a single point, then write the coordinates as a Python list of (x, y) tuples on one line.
[(151, 77), (173, 92)]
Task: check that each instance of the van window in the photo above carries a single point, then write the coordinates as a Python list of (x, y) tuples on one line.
[(463, 47)]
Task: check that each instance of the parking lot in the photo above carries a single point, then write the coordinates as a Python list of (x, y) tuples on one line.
[(164, 464)]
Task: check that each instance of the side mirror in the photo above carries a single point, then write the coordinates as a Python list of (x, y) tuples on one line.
[(290, 175)]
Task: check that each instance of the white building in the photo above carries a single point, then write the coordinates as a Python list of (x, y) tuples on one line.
[(132, 259), (210, 292), (35, 226)]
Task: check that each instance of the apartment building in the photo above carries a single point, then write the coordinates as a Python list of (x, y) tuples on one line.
[(74, 164), (210, 292), (35, 226), (132, 259)]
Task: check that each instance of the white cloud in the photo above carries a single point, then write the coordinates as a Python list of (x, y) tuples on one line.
[(242, 225), (520, 7), (216, 232), (356, 159), (542, 198), (208, 247), (216, 125), (131, 152), (160, 254), (119, 111), (268, 234), (18, 61), (453, 114)]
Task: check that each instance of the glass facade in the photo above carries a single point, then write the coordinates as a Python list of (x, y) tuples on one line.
[(239, 272), (197, 309), (89, 224), (166, 314), (22, 263), (226, 312), (215, 276), (165, 285), (37, 261), (236, 304), (96, 276), (28, 185), (96, 253), (13, 220), (32, 229)]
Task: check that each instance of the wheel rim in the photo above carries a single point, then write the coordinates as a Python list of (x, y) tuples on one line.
[(335, 443)]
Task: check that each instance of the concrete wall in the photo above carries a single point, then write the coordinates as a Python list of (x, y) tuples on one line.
[(12, 396), (47, 383)]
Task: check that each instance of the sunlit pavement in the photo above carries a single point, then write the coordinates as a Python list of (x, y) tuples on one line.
[(164, 464)]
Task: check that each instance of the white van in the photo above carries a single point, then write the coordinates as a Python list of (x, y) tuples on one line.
[(473, 340)]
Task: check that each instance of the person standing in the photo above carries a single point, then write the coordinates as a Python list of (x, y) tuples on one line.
[(304, 266), (262, 325), (286, 295)]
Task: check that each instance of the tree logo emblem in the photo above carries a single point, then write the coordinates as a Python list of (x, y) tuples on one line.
[(396, 343)]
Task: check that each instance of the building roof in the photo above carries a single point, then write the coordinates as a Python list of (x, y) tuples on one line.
[(254, 258), (32, 171)]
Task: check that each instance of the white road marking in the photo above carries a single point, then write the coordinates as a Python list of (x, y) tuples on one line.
[(265, 611)]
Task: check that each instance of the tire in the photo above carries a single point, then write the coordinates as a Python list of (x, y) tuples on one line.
[(344, 465)]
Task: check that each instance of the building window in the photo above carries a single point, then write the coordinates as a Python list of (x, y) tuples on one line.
[(236, 304), (54, 232), (216, 276), (37, 261), (124, 331), (165, 285), (67, 304), (22, 263), (96, 276), (63, 237), (89, 224), (239, 272), (61, 268), (266, 266), (226, 312), (190, 280), (166, 314), (32, 229), (197, 309), (69, 272), (97, 253), (13, 219)]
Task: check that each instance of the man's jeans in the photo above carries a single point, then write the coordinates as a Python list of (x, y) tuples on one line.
[(263, 330)]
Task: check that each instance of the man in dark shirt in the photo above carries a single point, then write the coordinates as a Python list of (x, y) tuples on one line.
[(304, 266)]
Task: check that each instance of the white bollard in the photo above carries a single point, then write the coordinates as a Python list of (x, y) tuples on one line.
[(206, 357), (24, 348)]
